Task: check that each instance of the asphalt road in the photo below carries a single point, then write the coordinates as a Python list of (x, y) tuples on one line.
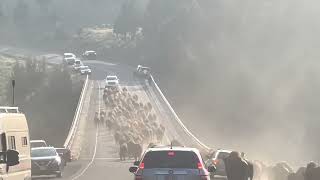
[(99, 153)]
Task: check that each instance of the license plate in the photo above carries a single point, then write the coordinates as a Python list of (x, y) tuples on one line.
[(42, 168)]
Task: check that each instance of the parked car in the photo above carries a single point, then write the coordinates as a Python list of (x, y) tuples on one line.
[(14, 137), (217, 159), (89, 55), (46, 161), (171, 163), (65, 154), (38, 143), (112, 81)]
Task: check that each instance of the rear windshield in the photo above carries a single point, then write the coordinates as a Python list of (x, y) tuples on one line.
[(171, 159), (38, 144), (111, 78), (43, 152), (68, 56)]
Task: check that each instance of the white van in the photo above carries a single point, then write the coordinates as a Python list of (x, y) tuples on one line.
[(15, 160)]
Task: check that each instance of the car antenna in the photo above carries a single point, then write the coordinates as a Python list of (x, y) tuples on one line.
[(171, 145)]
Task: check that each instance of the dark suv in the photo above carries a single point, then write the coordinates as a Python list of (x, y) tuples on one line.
[(46, 161)]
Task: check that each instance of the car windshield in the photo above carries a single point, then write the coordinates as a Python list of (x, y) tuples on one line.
[(68, 56), (111, 78), (43, 152), (171, 159), (37, 144)]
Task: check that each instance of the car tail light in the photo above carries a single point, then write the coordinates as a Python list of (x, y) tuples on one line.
[(141, 166), (216, 162), (138, 178), (200, 166), (171, 153)]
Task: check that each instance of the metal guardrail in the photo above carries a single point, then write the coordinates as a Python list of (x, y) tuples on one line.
[(75, 122), (185, 129)]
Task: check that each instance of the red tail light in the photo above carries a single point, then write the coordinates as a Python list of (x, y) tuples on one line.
[(204, 177), (138, 178), (141, 166), (216, 161), (200, 166)]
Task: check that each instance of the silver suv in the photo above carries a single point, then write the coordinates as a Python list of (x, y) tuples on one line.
[(171, 163), (217, 159)]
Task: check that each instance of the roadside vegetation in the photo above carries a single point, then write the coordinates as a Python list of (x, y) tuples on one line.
[(48, 97), (248, 71), (6, 65)]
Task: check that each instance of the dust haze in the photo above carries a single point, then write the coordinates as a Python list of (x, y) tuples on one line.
[(242, 75)]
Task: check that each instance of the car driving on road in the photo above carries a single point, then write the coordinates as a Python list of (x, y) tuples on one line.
[(69, 58), (142, 71), (112, 81), (84, 70), (38, 143), (69, 55), (217, 159), (171, 163), (89, 55), (46, 161)]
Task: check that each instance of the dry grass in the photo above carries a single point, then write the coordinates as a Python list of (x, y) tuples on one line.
[(6, 65)]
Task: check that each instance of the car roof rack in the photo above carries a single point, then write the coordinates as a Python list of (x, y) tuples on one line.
[(7, 109)]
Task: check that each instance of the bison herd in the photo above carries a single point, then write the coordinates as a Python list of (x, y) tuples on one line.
[(279, 171), (133, 122)]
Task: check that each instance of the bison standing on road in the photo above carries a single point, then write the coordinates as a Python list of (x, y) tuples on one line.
[(123, 152), (134, 150)]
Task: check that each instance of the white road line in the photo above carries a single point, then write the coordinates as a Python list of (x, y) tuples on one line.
[(95, 145), (102, 158)]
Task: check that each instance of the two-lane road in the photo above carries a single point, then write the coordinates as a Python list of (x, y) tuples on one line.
[(99, 159)]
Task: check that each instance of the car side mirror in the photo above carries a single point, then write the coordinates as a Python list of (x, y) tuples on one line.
[(133, 169), (12, 157), (136, 163), (212, 169)]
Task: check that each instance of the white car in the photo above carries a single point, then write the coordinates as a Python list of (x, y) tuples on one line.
[(69, 58), (79, 68), (69, 61), (77, 64), (85, 70), (112, 81), (89, 55), (69, 55), (142, 71)]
